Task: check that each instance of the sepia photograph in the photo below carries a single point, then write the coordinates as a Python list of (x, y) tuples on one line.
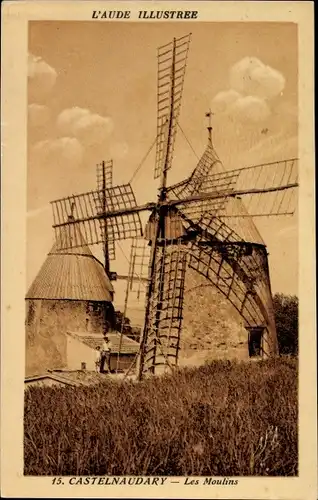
[(163, 228), (160, 306)]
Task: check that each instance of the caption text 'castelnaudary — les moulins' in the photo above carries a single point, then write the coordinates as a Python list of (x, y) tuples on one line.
[(142, 481)]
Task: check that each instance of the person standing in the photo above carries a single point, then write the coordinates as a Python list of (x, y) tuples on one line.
[(105, 355)]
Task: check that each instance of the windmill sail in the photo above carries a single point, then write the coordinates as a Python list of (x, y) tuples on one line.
[(196, 183), (172, 60), (161, 336), (138, 268), (268, 189), (104, 173), (237, 265), (241, 274), (120, 224)]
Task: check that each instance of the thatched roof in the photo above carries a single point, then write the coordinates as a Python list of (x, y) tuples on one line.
[(73, 274)]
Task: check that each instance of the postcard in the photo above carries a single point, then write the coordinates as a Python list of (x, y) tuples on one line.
[(158, 242)]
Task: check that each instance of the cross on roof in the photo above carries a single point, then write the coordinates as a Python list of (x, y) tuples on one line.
[(209, 115)]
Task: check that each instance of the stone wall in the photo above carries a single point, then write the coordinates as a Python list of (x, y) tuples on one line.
[(212, 328), (46, 324)]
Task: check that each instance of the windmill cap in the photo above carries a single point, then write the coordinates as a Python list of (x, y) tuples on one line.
[(72, 274)]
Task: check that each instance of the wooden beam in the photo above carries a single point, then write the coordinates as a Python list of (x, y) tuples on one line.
[(169, 203), (230, 194)]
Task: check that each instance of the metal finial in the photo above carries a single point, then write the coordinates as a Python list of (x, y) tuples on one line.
[(209, 115)]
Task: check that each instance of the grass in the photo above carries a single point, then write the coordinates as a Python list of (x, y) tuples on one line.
[(222, 419)]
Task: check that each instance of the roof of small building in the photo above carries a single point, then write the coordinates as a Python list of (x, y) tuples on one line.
[(128, 345), (87, 377), (51, 376), (73, 274)]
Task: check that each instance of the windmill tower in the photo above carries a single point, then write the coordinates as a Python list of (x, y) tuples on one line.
[(204, 223), (71, 292)]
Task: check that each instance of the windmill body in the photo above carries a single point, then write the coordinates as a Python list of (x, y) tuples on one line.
[(235, 262), (204, 223), (71, 293)]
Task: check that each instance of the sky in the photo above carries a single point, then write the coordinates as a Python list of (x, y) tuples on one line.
[(92, 97)]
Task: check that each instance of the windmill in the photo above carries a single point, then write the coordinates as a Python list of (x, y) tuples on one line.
[(204, 223)]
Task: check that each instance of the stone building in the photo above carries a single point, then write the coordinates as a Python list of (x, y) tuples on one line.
[(71, 292), (81, 351)]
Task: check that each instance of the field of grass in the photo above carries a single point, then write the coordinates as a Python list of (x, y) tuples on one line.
[(222, 419)]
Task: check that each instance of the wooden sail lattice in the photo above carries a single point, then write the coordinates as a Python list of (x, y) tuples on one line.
[(239, 270), (192, 185), (138, 275), (267, 188), (136, 283), (104, 175), (172, 61), (121, 225), (161, 336), (203, 223)]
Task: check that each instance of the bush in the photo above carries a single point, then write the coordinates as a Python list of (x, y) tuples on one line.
[(220, 419), (286, 317)]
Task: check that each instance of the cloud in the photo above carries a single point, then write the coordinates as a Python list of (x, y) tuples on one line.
[(241, 108), (224, 99), (38, 115), (89, 128), (252, 85), (250, 76), (41, 78), (250, 108), (68, 119), (54, 152)]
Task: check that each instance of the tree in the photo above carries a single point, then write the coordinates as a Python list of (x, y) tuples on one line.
[(286, 317), (122, 323)]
